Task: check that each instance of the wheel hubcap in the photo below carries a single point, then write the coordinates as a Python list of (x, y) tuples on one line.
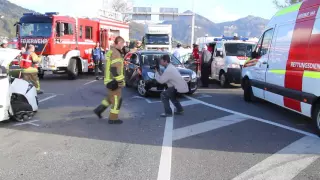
[(142, 87)]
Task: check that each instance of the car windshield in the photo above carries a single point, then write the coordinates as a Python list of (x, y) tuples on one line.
[(35, 29), (238, 49), (157, 39), (149, 59)]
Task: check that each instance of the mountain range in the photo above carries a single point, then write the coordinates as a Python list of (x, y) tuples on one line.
[(248, 26)]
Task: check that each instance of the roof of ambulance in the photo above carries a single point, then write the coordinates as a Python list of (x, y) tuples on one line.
[(290, 13)]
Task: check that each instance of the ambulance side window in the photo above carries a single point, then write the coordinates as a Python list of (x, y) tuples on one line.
[(263, 45)]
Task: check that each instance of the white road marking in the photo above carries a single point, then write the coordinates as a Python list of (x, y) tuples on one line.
[(206, 126), (164, 172), (146, 99), (47, 98), (287, 163), (28, 122), (254, 118), (204, 96), (89, 82), (188, 103)]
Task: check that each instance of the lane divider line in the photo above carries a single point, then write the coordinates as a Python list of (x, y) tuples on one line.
[(89, 82), (164, 172), (254, 118), (47, 98)]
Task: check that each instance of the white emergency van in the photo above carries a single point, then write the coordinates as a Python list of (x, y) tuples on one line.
[(285, 65), (228, 59)]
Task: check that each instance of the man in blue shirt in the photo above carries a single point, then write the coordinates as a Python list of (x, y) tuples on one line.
[(98, 58)]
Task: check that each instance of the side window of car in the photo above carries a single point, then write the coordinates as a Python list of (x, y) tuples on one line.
[(263, 45), (134, 59)]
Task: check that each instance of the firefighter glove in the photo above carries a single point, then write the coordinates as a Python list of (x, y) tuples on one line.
[(113, 85)]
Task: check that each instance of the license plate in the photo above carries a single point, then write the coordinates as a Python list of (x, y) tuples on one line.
[(47, 72)]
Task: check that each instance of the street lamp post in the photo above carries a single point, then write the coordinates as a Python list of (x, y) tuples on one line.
[(192, 23)]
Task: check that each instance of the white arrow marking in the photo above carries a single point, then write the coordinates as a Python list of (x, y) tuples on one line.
[(28, 122)]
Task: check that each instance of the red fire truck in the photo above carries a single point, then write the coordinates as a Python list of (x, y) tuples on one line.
[(67, 41)]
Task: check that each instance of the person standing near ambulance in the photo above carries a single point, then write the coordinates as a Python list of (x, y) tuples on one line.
[(114, 81), (97, 57), (29, 65)]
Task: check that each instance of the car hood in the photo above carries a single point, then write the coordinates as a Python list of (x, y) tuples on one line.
[(182, 70), (7, 55)]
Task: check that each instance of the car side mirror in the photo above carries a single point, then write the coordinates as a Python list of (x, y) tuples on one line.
[(254, 54), (219, 54)]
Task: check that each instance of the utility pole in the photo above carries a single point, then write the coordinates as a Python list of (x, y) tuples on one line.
[(192, 23)]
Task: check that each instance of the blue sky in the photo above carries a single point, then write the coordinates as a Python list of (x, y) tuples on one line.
[(215, 10)]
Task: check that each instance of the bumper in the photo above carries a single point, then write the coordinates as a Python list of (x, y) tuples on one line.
[(234, 75), (154, 86)]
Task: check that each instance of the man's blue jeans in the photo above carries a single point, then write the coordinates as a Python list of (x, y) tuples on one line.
[(170, 94)]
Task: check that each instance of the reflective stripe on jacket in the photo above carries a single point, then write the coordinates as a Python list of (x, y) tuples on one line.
[(28, 63), (114, 67)]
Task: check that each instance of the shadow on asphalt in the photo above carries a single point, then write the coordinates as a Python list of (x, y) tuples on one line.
[(146, 128)]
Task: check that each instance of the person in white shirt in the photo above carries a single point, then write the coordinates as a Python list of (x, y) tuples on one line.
[(177, 51), (175, 83)]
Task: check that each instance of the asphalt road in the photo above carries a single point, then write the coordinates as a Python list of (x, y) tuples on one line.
[(219, 137)]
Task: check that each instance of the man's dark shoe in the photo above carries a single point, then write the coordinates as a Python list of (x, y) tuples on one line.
[(115, 121), (39, 92), (165, 115), (99, 110), (97, 78)]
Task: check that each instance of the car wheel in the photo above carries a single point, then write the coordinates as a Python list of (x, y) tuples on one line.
[(73, 70), (247, 91), (223, 80), (142, 88), (316, 118)]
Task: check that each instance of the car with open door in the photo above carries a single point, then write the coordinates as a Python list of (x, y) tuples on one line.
[(140, 75)]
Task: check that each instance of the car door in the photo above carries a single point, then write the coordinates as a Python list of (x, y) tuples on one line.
[(134, 69), (216, 58), (261, 54), (130, 67)]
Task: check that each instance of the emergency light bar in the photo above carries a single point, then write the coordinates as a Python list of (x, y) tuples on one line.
[(51, 13), (230, 38)]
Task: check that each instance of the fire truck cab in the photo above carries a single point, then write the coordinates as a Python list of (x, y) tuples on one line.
[(66, 42)]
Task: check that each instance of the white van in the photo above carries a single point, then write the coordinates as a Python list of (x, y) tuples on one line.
[(228, 59), (285, 64)]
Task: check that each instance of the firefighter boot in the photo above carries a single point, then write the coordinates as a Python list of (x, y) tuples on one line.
[(99, 110)]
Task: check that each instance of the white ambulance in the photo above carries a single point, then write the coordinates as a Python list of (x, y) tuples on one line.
[(285, 65), (228, 58)]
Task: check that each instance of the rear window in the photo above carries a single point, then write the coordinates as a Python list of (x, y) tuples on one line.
[(238, 49)]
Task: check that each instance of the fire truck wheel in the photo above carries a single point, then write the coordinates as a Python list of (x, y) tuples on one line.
[(73, 69)]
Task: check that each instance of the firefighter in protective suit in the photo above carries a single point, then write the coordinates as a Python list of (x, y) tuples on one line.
[(114, 81), (29, 65)]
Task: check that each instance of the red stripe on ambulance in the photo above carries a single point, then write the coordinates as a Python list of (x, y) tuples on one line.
[(299, 52)]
